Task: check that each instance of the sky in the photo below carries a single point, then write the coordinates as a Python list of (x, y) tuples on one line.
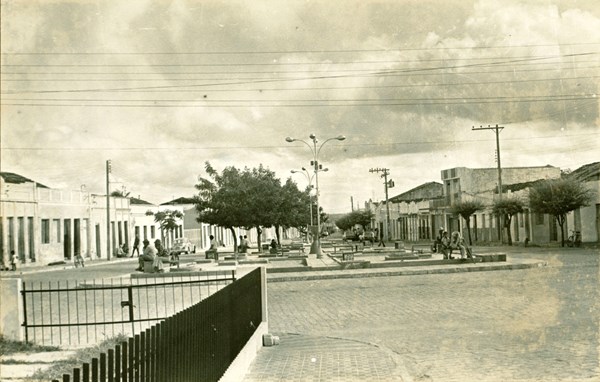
[(161, 87)]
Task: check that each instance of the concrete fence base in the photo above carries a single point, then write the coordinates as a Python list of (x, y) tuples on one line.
[(11, 314)]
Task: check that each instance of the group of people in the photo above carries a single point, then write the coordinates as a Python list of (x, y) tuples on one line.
[(244, 244), (150, 252), (446, 244)]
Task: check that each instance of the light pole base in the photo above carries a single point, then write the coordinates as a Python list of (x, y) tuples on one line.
[(315, 249)]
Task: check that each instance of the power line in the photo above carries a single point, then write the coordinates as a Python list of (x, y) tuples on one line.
[(270, 147), (298, 51)]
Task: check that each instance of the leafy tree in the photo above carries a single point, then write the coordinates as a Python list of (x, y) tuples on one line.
[(558, 197), (360, 217), (234, 198), (168, 220), (465, 210), (507, 208), (293, 209), (120, 193), (221, 199)]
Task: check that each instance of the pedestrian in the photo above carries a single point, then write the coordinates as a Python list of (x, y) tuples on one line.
[(437, 245), (150, 254), (13, 261), (241, 244), (445, 247), (245, 244), (381, 242), (136, 245), (457, 242), (212, 251)]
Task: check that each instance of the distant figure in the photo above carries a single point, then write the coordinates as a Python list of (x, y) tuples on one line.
[(274, 243), (457, 242), (136, 245), (245, 244), (445, 247), (240, 244), (212, 251), (13, 261), (79, 261), (119, 252), (381, 242), (150, 254)]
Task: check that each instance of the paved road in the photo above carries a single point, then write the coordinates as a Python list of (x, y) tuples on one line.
[(523, 325)]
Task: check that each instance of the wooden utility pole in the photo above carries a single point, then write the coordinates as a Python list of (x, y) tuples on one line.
[(497, 129), (108, 169), (388, 184)]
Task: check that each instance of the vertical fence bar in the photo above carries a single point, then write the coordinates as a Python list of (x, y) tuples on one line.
[(76, 375), (86, 372), (124, 358), (60, 320), (110, 371), (136, 358), (102, 373), (24, 295), (69, 310), (77, 315), (118, 363), (66, 378), (130, 365), (130, 299), (142, 357), (95, 308), (95, 370)]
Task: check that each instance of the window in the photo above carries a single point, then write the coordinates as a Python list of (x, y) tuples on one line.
[(45, 231), (57, 225), (539, 218)]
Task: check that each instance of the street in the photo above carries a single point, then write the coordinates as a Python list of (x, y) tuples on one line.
[(536, 325)]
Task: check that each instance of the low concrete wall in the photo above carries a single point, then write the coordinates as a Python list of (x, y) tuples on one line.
[(11, 314), (240, 365)]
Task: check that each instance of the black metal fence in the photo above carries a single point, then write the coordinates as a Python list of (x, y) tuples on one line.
[(85, 313), (196, 344)]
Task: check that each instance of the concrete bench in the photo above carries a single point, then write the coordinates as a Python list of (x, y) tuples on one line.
[(491, 257), (402, 256), (355, 264)]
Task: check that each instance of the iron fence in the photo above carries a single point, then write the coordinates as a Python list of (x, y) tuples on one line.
[(85, 313), (196, 344)]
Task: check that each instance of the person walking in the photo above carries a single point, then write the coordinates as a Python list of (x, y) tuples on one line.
[(380, 237), (136, 246)]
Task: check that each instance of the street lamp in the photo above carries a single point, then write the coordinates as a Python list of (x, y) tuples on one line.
[(309, 178), (316, 245)]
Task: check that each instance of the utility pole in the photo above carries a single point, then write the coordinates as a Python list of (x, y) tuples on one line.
[(108, 169), (387, 184), (497, 129), (352, 203)]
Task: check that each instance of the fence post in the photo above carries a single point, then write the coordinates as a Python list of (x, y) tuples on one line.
[(13, 322)]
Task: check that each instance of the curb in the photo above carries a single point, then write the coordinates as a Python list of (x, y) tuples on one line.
[(412, 271)]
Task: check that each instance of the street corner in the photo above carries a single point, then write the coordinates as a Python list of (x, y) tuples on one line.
[(301, 357)]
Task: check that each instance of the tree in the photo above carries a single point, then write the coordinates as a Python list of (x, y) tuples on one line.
[(293, 209), (360, 217), (506, 209), (558, 197), (465, 210), (168, 220), (234, 198)]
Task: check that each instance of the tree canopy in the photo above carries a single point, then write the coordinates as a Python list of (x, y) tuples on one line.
[(249, 198), (507, 208), (465, 210), (558, 197), (360, 217)]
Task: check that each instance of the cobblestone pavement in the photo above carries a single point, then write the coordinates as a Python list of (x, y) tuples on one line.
[(539, 324)]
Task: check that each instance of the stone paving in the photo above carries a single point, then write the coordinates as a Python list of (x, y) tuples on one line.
[(538, 324)]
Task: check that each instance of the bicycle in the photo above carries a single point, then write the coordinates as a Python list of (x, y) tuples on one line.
[(574, 240)]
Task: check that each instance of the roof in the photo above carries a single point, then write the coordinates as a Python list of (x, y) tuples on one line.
[(587, 172), (179, 201), (426, 191), (11, 177), (139, 201)]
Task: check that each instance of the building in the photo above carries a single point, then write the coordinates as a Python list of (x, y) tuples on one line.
[(46, 225)]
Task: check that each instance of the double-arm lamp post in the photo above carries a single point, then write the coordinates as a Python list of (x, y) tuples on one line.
[(309, 178), (316, 245)]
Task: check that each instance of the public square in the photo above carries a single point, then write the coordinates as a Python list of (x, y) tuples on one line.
[(539, 324)]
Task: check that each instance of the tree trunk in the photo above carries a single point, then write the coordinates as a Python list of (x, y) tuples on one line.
[(235, 243), (561, 223), (259, 234), (508, 219), (467, 221), (277, 235)]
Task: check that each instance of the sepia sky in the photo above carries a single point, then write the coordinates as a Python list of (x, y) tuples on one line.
[(161, 87)]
